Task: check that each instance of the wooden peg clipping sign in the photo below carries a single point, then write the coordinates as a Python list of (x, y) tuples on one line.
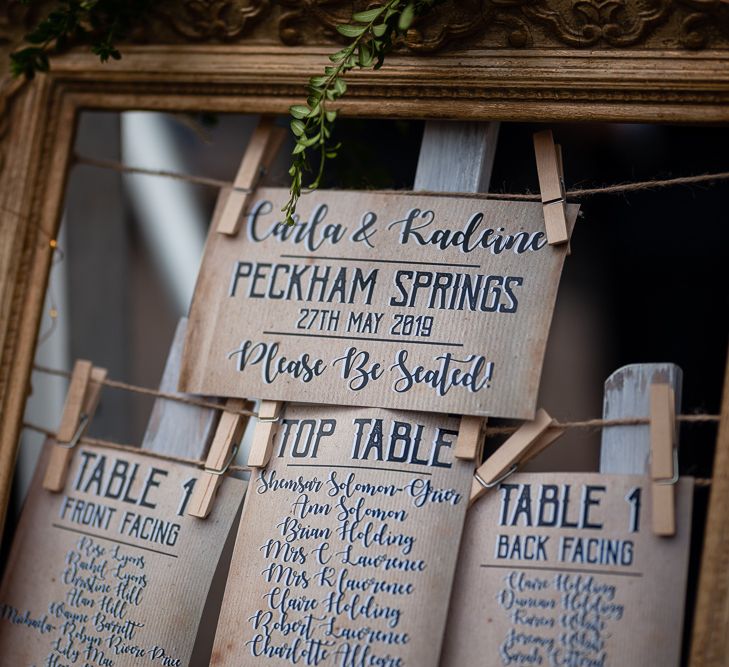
[(222, 450), (470, 438), (663, 458), (81, 401), (259, 154), (269, 415), (551, 186), (524, 444)]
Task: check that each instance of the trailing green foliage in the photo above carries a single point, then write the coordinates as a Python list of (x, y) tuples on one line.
[(373, 33), (102, 23), (98, 23)]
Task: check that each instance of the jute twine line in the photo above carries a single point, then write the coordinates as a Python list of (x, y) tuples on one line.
[(497, 430), (618, 188), (119, 447), (115, 446), (146, 391)]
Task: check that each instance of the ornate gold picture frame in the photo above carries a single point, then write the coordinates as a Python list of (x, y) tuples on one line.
[(653, 61)]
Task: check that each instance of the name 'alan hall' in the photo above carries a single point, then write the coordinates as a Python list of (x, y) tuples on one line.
[(358, 369)]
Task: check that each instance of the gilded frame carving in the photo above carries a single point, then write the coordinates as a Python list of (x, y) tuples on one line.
[(654, 61)]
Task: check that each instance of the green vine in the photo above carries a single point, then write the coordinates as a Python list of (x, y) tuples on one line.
[(373, 33), (99, 23), (103, 23)]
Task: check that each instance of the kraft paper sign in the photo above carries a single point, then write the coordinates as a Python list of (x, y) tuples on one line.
[(347, 544), (434, 303), (111, 572), (565, 570)]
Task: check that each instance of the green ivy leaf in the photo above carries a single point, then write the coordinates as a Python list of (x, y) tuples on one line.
[(306, 142), (339, 55), (351, 30), (365, 56), (379, 30), (369, 15), (369, 44), (406, 18), (297, 127), (299, 111), (318, 81)]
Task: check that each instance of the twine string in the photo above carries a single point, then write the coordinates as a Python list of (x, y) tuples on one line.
[(119, 447), (588, 424), (498, 430), (164, 173), (618, 188), (180, 398), (199, 463), (156, 393)]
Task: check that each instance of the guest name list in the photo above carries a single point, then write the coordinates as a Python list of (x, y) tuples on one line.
[(111, 572), (564, 570), (347, 538)]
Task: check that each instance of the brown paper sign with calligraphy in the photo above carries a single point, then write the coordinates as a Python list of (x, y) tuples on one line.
[(348, 542), (559, 569), (111, 572), (435, 303)]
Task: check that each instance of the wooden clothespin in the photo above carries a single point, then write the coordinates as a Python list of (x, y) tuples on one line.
[(522, 446), (469, 444), (551, 186), (81, 401), (222, 452), (664, 459), (269, 414), (259, 155)]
